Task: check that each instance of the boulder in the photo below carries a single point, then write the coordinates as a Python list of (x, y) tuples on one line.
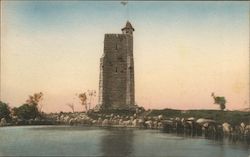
[(135, 123), (203, 120), (178, 119), (191, 119), (127, 122), (94, 122), (227, 128), (155, 124), (105, 122), (141, 123), (99, 121), (247, 130), (149, 124), (242, 128), (160, 117), (120, 122), (3, 122), (159, 125), (71, 121)]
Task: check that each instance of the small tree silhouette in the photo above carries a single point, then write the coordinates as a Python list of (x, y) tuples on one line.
[(91, 94), (36, 100), (83, 99), (71, 106), (220, 101)]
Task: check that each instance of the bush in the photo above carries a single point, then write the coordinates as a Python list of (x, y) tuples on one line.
[(26, 111), (232, 117), (166, 113), (4, 111)]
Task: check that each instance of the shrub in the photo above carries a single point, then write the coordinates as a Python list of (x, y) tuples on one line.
[(26, 111), (4, 111)]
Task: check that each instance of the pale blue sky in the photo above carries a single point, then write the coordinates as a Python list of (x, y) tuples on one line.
[(63, 15), (181, 49)]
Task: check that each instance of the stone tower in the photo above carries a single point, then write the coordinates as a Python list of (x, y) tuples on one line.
[(116, 82)]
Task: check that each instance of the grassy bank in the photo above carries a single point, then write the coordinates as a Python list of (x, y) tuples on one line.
[(233, 117)]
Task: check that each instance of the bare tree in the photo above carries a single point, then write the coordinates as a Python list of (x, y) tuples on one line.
[(91, 94), (83, 99), (71, 106)]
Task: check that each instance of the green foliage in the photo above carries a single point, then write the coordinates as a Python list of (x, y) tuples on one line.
[(220, 101), (36, 99), (166, 113), (4, 111), (232, 117), (26, 111)]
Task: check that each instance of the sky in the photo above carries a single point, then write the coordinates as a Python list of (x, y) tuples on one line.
[(183, 51)]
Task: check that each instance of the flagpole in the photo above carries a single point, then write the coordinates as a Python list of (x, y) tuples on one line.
[(127, 12), (125, 3)]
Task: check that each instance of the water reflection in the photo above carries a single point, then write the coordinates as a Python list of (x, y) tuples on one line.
[(117, 142), (232, 140), (89, 141)]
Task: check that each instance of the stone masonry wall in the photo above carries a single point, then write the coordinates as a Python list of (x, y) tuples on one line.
[(116, 84)]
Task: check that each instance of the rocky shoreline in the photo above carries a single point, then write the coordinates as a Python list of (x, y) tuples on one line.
[(188, 126)]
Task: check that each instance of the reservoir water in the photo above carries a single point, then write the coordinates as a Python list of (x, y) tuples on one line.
[(91, 141)]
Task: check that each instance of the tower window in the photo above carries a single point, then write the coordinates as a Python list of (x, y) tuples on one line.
[(115, 69), (120, 59)]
